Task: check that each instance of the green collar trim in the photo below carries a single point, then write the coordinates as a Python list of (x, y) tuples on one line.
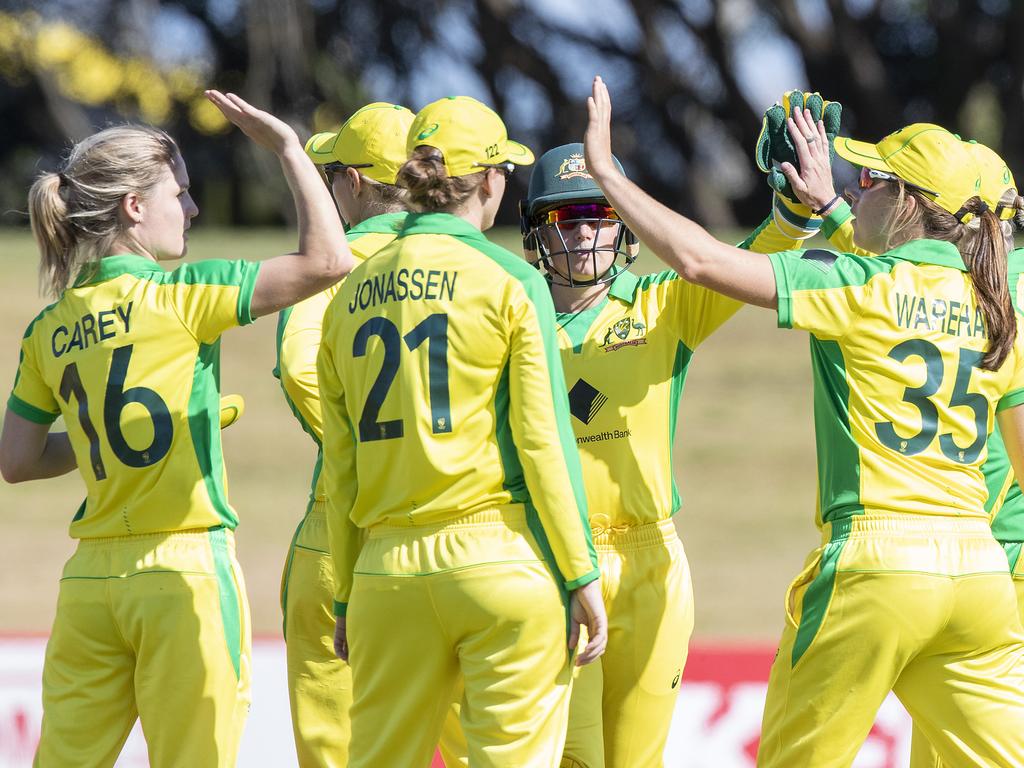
[(383, 224), (110, 267), (936, 252), (624, 286), (439, 224)]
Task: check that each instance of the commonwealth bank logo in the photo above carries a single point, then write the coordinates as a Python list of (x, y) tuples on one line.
[(585, 401)]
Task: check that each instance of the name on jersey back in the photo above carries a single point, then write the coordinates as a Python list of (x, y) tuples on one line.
[(403, 285), (956, 318), (91, 329)]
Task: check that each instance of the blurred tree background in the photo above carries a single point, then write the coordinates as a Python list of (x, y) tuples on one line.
[(689, 79)]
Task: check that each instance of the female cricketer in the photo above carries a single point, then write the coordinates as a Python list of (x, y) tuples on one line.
[(608, 322), (1004, 504), (456, 515), (913, 353), (361, 160), (152, 619)]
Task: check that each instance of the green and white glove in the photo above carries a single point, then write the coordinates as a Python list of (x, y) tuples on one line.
[(774, 146)]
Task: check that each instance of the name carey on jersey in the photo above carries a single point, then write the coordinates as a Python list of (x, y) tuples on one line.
[(403, 285), (91, 329), (956, 318)]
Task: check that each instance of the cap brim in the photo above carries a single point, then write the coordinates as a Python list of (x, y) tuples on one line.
[(320, 147), (860, 153), (519, 154)]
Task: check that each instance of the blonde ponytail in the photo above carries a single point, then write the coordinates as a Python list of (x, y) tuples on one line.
[(48, 215)]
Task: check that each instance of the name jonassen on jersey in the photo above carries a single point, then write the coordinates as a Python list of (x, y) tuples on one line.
[(403, 285)]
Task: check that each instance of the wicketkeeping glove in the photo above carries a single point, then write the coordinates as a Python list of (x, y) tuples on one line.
[(774, 145)]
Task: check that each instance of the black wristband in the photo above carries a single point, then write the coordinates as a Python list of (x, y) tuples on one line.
[(826, 206)]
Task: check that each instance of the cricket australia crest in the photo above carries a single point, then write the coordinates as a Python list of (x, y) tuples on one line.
[(618, 334), (573, 167)]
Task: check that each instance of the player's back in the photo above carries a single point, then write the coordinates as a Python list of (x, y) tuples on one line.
[(903, 407), (130, 359), (426, 332)]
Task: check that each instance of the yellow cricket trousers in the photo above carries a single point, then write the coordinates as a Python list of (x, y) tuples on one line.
[(920, 605), (622, 704), (473, 598), (319, 683), (154, 627), (922, 753)]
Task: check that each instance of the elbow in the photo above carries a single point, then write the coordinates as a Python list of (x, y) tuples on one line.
[(693, 267), (335, 263), (12, 470)]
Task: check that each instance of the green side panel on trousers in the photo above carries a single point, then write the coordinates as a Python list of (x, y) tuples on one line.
[(230, 608), (819, 593)]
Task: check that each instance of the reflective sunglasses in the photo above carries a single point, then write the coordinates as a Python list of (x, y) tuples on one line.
[(868, 177), (332, 168), (573, 213), (506, 168)]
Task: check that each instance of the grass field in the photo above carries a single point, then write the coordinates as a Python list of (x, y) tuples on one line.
[(744, 462)]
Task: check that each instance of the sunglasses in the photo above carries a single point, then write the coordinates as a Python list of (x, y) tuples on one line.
[(573, 213), (506, 168), (868, 177), (332, 168)]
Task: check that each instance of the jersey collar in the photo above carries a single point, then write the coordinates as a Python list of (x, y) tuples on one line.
[(439, 224), (384, 224), (110, 267), (937, 252), (624, 286)]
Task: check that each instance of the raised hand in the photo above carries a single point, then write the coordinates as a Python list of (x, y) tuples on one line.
[(812, 180), (597, 141), (774, 145), (262, 127)]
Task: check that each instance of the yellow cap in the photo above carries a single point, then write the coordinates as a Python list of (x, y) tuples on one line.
[(925, 155), (469, 134), (996, 178), (373, 137)]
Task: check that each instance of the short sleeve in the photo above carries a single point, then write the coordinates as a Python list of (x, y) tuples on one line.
[(695, 311), (822, 291), (31, 397), (212, 296)]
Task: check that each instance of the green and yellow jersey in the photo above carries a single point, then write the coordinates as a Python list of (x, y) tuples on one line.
[(443, 395), (625, 363), (1005, 504), (300, 327), (902, 406), (131, 359)]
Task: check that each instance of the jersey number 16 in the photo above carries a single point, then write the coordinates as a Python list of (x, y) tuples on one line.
[(115, 398)]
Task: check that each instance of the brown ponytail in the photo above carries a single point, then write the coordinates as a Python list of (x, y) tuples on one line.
[(75, 214), (985, 257), (430, 187), (983, 245)]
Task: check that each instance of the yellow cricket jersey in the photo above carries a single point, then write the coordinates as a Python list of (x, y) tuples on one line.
[(902, 407), (443, 395), (625, 363), (298, 337), (1005, 504), (131, 359)]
